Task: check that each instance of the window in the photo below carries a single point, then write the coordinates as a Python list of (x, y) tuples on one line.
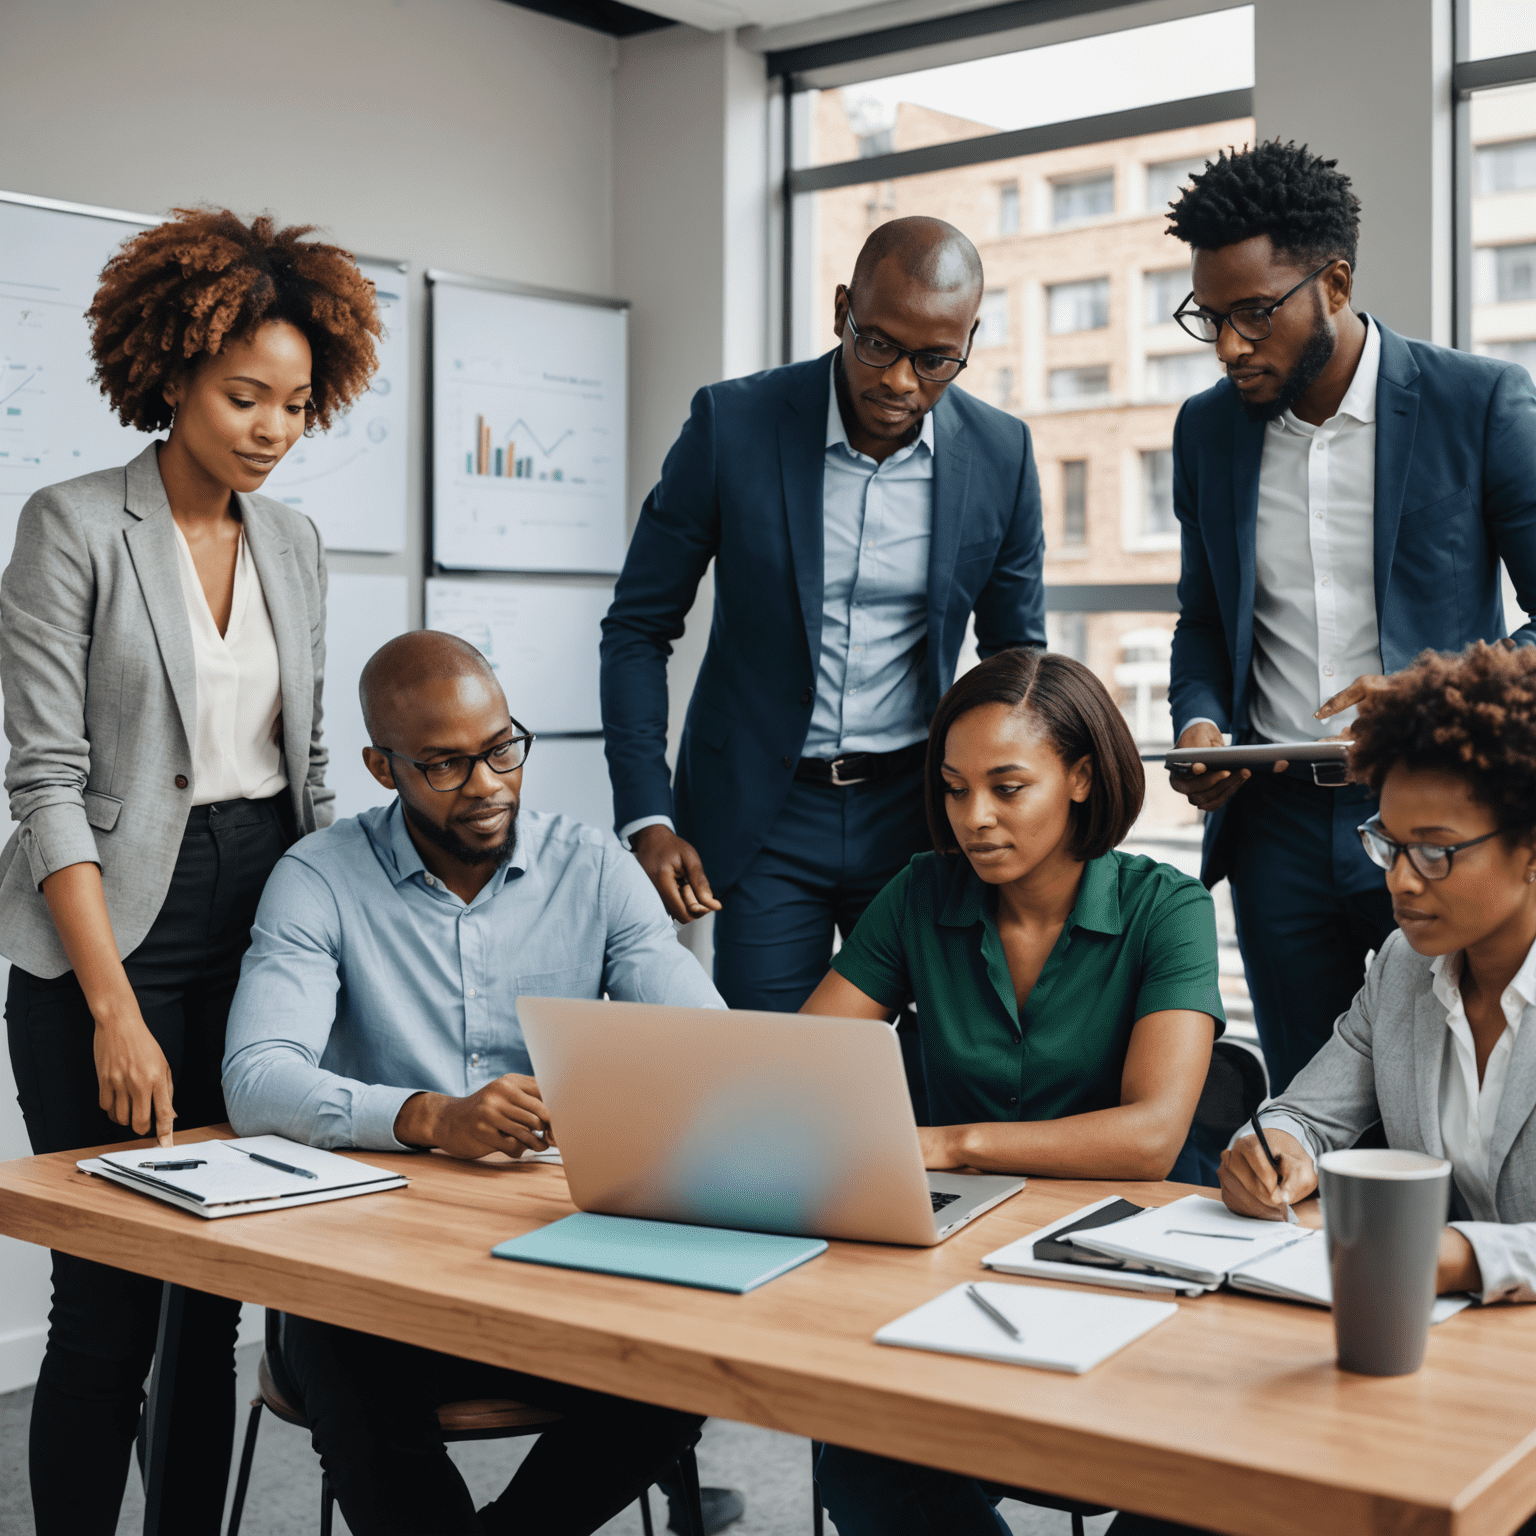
[(1178, 375), (993, 329), (1162, 293), (1082, 197), (1002, 388), (1008, 208), (1078, 306), (1509, 167), (1157, 519), (1067, 384), (1167, 178), (1504, 274), (1067, 634), (1074, 504), (1522, 352)]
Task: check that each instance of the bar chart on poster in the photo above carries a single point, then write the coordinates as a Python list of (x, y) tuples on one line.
[(528, 429), (354, 480), (54, 423)]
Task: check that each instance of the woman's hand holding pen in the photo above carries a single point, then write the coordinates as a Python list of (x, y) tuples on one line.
[(1251, 1186), (133, 1074)]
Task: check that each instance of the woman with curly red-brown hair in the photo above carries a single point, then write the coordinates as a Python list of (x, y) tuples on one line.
[(162, 644)]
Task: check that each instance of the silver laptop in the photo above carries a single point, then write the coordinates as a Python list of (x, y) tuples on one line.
[(769, 1122)]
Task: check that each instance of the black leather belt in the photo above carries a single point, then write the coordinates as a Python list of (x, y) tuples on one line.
[(861, 767)]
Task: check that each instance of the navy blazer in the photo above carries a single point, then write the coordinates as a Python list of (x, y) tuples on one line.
[(743, 486), (1455, 493)]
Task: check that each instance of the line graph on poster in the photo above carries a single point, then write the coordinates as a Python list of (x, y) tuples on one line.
[(528, 408)]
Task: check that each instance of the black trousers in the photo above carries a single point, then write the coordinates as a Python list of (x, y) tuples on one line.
[(372, 1407), (102, 1326)]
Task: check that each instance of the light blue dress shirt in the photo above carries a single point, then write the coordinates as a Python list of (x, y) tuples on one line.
[(878, 523), (367, 980)]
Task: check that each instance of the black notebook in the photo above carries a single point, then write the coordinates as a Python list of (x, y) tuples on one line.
[(1053, 1250)]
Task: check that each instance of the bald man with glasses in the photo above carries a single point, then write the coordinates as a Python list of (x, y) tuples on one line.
[(858, 512)]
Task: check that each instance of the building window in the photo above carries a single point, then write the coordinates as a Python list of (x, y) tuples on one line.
[(1167, 178), (1066, 384), (1162, 293), (1067, 634), (1178, 375), (1508, 167), (992, 330), (1002, 388), (1074, 503), (1076, 198), (1078, 306), (1157, 519), (1008, 208), (1503, 274)]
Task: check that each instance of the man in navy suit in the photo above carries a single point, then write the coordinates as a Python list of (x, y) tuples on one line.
[(857, 515), (1344, 498)]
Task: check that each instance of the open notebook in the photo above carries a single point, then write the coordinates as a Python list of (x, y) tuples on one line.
[(227, 1182)]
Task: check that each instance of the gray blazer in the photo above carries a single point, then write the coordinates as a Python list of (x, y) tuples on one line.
[(101, 694), (1383, 1063)]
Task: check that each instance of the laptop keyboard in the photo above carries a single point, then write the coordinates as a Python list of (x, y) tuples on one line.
[(940, 1201)]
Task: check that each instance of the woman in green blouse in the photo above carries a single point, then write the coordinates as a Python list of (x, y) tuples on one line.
[(1066, 993)]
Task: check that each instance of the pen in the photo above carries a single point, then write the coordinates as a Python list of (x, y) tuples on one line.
[(272, 1162), (992, 1312), (1258, 1130), (188, 1162)]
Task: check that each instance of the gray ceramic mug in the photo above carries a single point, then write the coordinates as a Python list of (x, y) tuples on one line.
[(1383, 1212)]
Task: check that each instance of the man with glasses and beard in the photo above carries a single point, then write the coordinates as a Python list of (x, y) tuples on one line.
[(858, 515), (1344, 498), (377, 1008)]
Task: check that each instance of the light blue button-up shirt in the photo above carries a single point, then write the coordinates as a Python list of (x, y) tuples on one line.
[(878, 523), (367, 980)]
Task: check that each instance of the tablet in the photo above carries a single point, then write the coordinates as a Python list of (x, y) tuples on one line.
[(1257, 754)]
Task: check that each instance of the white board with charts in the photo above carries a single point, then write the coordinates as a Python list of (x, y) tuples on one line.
[(55, 424), (528, 428)]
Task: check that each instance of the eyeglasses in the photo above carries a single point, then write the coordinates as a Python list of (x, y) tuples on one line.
[(447, 774), (1252, 323), (879, 353), (1431, 860)]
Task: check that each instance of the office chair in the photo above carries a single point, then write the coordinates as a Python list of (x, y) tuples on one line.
[(477, 1419)]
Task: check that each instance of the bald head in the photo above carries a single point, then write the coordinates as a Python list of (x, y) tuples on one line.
[(408, 666), (929, 252)]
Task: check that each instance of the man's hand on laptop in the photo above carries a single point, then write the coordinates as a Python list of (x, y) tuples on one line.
[(507, 1115)]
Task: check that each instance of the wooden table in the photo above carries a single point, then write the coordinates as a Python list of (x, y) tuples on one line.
[(1231, 1416)]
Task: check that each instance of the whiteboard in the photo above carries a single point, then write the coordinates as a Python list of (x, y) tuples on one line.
[(539, 636), (54, 423), (361, 613), (569, 774), (354, 480), (528, 430)]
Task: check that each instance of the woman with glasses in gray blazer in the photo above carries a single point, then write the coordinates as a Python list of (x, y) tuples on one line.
[(162, 644)]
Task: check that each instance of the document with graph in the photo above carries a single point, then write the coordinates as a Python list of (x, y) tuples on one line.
[(528, 429)]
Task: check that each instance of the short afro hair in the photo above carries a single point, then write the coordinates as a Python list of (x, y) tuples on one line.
[(1472, 715), (1303, 203), (176, 293)]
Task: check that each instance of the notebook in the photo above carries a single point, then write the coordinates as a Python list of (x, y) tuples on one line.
[(1299, 1272), (227, 1183), (1070, 1331), (1047, 1255), (1194, 1239), (711, 1258)]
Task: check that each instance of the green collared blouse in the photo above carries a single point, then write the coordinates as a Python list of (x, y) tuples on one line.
[(1141, 938)]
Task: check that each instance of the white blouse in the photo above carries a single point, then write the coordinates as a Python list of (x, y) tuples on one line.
[(238, 752)]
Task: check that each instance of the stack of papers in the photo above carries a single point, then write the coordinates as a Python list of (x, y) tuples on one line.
[(227, 1181), (1069, 1331)]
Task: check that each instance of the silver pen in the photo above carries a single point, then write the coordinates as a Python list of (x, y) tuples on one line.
[(992, 1312)]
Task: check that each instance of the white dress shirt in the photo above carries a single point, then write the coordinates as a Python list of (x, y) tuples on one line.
[(238, 752), (1314, 602)]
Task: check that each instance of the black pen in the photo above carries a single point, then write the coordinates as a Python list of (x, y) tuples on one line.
[(186, 1162), (1258, 1130), (992, 1312), (272, 1162)]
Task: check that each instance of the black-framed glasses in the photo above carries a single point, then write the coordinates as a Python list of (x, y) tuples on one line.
[(1431, 860), (876, 352), (447, 774), (1252, 322)]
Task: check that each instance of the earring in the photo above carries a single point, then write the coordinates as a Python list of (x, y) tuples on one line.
[(1530, 877)]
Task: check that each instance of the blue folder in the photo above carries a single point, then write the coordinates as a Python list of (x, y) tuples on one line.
[(712, 1258)]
